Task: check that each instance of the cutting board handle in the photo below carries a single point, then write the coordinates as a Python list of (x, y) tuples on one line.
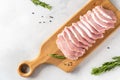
[(26, 68)]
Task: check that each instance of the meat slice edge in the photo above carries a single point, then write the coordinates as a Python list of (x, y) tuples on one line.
[(65, 50), (71, 46)]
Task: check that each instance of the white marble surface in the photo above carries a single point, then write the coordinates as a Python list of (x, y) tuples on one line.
[(21, 36)]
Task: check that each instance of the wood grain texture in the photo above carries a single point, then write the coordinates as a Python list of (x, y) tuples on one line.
[(49, 46)]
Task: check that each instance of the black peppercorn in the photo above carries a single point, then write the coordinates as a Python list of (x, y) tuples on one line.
[(33, 13), (50, 20), (51, 16), (108, 47)]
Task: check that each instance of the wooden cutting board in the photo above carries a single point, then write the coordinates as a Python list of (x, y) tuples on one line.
[(26, 68)]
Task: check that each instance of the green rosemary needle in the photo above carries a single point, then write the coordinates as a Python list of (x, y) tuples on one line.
[(107, 66), (57, 56), (43, 4)]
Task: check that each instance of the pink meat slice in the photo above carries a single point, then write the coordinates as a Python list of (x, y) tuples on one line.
[(93, 23), (101, 17), (106, 13), (82, 45), (72, 37), (70, 45), (83, 33), (65, 50), (101, 23), (85, 22), (80, 38), (91, 35), (73, 41)]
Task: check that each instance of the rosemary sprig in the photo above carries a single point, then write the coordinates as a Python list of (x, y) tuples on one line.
[(57, 56), (43, 4), (107, 66)]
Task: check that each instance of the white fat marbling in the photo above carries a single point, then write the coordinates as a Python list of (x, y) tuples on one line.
[(21, 36)]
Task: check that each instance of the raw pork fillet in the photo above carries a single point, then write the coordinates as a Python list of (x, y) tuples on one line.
[(73, 41)]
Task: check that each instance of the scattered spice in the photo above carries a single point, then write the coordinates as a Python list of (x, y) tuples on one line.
[(65, 64), (50, 20), (42, 4), (108, 47), (51, 16), (107, 66), (42, 16), (45, 5), (45, 19), (40, 22), (68, 64), (33, 13), (57, 56)]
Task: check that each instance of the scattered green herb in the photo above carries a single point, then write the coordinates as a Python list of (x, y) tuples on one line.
[(57, 56), (107, 66), (43, 4)]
